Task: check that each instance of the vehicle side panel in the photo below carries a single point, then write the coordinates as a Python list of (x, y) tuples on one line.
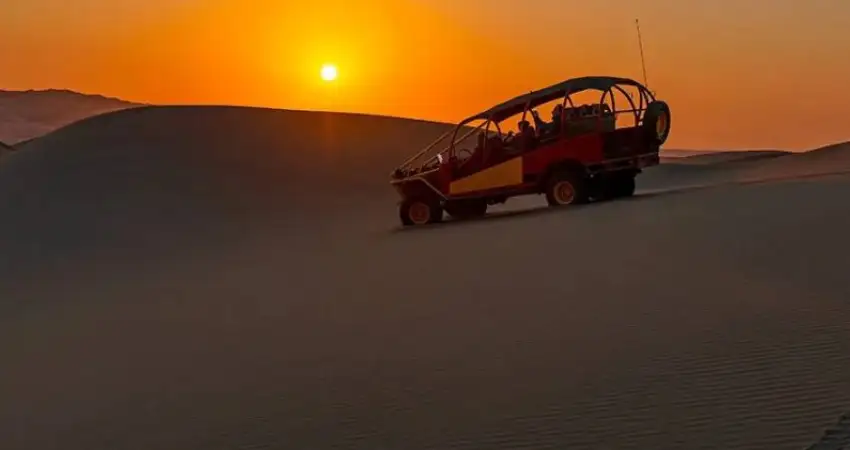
[(585, 149), (424, 186), (508, 173), (507, 191)]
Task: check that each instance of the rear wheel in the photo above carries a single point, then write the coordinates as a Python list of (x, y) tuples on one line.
[(566, 188), (417, 211), (466, 209)]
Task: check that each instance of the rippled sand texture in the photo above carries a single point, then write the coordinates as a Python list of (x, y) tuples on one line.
[(228, 278)]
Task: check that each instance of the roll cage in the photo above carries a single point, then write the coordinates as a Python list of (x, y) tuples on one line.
[(443, 148)]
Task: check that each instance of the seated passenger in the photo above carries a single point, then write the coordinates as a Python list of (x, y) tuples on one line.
[(527, 138), (549, 129)]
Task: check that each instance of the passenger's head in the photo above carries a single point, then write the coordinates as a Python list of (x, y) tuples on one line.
[(524, 125), (557, 110)]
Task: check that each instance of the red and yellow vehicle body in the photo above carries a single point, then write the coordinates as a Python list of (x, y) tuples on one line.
[(586, 143), (524, 173)]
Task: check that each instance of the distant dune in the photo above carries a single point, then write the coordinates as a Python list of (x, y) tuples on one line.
[(711, 169), (28, 114), (683, 153), (830, 159), (220, 278), (717, 157)]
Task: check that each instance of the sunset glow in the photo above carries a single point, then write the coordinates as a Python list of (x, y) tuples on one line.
[(444, 59)]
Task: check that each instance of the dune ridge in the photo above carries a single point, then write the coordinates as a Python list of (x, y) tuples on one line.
[(25, 115), (836, 437), (719, 157), (203, 278)]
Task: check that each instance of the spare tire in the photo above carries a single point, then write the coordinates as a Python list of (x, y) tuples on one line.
[(656, 121)]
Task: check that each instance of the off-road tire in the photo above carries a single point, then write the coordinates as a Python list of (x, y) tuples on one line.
[(566, 188), (417, 211), (656, 122)]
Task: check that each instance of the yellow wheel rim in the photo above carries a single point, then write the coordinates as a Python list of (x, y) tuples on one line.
[(419, 213), (564, 192), (661, 125)]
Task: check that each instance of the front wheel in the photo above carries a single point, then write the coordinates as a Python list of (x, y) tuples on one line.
[(417, 211), (566, 189)]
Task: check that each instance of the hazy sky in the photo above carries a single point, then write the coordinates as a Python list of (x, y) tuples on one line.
[(737, 73)]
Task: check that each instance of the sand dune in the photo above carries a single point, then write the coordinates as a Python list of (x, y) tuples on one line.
[(182, 278), (241, 146), (725, 157), (724, 168), (25, 115), (149, 172), (831, 159)]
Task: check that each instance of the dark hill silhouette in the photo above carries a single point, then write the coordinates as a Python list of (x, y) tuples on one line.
[(159, 174), (28, 114), (233, 149)]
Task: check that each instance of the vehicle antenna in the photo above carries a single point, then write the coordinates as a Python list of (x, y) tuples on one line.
[(642, 61)]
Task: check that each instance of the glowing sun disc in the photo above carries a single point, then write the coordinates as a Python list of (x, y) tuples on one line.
[(329, 72)]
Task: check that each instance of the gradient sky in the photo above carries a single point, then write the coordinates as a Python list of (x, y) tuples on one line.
[(737, 73)]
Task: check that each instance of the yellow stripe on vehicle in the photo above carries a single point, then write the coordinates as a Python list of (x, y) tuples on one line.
[(508, 173)]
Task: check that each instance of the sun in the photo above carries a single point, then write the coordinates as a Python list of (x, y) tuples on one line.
[(329, 72)]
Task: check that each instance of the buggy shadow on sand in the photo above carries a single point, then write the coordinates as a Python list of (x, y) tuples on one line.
[(586, 152)]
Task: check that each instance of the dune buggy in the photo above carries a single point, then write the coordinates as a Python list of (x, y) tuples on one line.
[(589, 151)]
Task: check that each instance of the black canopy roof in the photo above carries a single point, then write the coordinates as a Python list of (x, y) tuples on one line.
[(573, 85)]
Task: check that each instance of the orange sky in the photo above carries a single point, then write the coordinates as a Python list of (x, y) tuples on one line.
[(737, 74)]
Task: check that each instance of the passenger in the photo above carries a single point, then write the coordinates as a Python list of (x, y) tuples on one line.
[(527, 137), (549, 129), (557, 120), (540, 123), (511, 144)]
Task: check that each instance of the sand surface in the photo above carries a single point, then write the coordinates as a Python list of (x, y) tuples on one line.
[(227, 278)]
